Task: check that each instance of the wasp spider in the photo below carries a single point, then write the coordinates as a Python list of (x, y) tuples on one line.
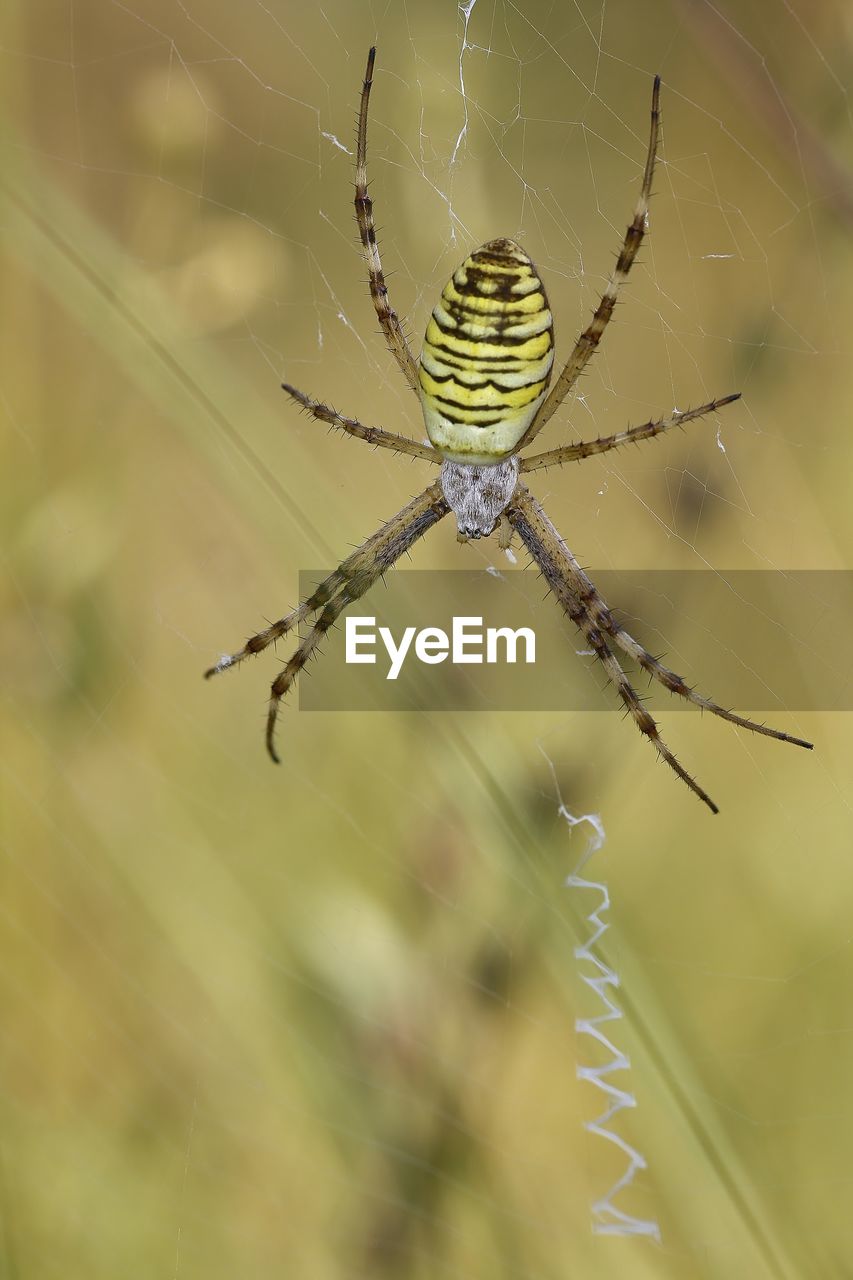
[(482, 382)]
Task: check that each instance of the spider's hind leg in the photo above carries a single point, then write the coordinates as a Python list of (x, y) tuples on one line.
[(388, 319), (587, 343)]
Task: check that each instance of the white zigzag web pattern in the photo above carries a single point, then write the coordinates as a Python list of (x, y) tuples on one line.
[(607, 1218)]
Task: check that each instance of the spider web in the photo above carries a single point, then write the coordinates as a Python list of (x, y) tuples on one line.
[(320, 1019)]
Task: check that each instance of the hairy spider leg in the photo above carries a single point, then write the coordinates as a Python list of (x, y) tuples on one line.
[(584, 605), (385, 313), (587, 343)]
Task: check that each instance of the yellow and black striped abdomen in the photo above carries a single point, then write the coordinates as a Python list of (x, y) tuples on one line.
[(487, 355)]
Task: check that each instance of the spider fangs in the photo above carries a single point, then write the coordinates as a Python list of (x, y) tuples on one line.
[(482, 380)]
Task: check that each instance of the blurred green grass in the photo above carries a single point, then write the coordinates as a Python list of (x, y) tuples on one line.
[(321, 1018)]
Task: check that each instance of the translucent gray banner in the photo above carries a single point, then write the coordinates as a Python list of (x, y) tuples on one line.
[(758, 641)]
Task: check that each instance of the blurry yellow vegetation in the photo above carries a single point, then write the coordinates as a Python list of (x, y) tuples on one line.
[(318, 1021)]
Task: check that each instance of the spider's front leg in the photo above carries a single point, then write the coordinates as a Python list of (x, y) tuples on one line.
[(352, 578), (550, 553), (582, 602), (257, 643)]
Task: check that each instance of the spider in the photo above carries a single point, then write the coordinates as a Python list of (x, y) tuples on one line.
[(482, 382)]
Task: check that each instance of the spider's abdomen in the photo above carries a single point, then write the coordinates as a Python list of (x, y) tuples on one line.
[(487, 355)]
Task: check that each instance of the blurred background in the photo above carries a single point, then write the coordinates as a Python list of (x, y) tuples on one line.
[(320, 1020)]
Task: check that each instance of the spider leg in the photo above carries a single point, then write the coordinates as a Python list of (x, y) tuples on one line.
[(387, 316), (263, 639), (551, 554), (381, 548), (355, 576), (257, 643), (505, 534), (642, 718), (648, 430), (287, 676), (669, 679), (602, 617), (352, 426), (591, 336)]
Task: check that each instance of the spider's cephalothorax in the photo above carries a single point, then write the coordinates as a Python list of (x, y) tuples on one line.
[(478, 496), (482, 382)]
